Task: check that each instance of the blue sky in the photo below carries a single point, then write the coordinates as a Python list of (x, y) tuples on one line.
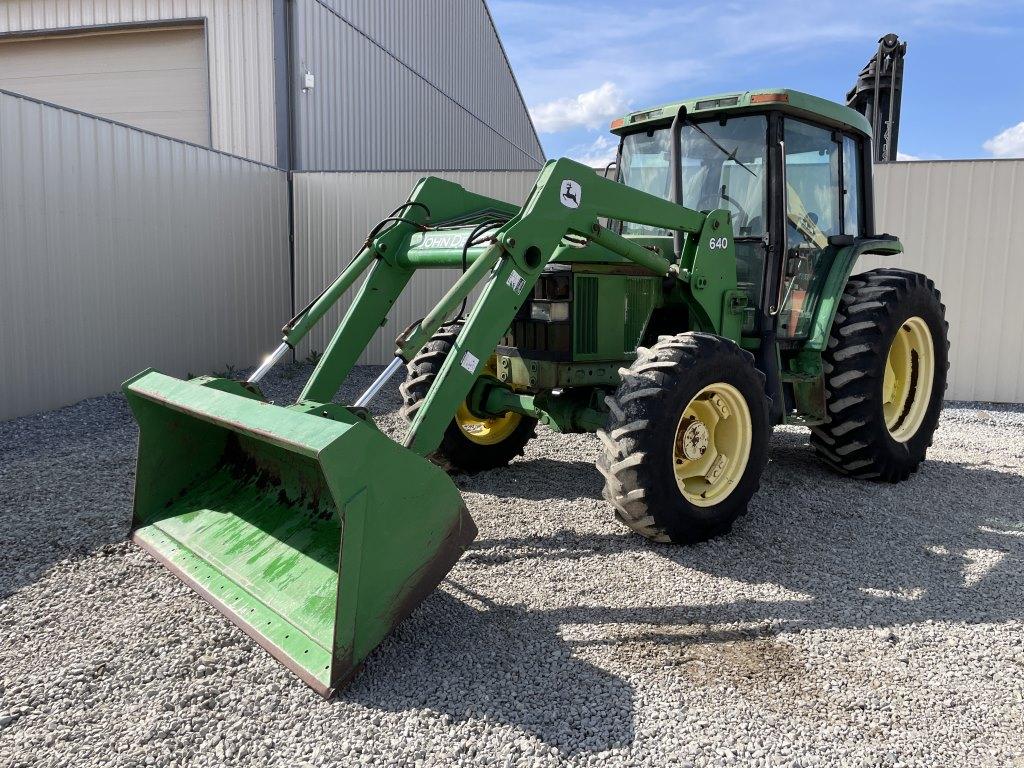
[(580, 63)]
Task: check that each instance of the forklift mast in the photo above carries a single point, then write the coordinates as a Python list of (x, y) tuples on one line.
[(877, 95)]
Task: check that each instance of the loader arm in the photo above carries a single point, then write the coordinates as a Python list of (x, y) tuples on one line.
[(567, 199), (432, 199)]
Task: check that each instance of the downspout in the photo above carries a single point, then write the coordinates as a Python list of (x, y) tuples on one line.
[(283, 83), (284, 71), (291, 35)]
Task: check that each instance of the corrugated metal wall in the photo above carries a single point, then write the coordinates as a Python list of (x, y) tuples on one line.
[(369, 110), (240, 42), (333, 213), (123, 250), (962, 224)]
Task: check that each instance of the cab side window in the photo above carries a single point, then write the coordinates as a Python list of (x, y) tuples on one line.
[(812, 185), (813, 214)]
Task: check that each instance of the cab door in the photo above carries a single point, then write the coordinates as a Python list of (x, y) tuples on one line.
[(822, 193)]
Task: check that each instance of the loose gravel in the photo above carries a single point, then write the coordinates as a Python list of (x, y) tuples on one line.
[(840, 623)]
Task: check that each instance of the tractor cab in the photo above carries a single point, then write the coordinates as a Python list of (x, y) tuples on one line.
[(790, 168)]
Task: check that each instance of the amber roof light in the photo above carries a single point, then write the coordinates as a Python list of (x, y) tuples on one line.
[(765, 98)]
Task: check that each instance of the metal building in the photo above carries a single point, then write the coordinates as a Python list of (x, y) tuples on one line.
[(301, 84)]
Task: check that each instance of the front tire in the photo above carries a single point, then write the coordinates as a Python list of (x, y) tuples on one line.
[(687, 438), (471, 444), (885, 376)]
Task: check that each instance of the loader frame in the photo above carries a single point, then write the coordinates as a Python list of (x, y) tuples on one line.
[(433, 229), (702, 274)]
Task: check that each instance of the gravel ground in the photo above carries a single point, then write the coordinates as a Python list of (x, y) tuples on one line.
[(841, 623)]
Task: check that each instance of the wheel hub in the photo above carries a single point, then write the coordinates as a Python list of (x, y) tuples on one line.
[(486, 431), (695, 440)]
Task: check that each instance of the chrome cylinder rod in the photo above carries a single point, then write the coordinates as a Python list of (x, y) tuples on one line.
[(373, 389), (268, 362)]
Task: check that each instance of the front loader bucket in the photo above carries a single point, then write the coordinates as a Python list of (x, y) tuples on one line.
[(314, 535)]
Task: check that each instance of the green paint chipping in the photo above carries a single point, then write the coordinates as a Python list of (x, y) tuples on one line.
[(305, 651), (265, 511), (271, 549)]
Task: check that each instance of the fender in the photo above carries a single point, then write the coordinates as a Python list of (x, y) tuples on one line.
[(832, 289)]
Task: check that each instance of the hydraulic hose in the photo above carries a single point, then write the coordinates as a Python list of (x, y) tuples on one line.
[(484, 226), (392, 217)]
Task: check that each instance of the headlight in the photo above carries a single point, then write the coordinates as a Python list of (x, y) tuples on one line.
[(549, 311)]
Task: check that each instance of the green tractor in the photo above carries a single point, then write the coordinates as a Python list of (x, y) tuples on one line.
[(679, 310)]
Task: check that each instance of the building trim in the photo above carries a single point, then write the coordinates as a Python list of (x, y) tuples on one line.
[(282, 83), (99, 29), (209, 80), (423, 170), (954, 160)]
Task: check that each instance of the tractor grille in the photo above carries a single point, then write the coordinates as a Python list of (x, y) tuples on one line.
[(639, 303), (606, 316), (585, 314), (543, 339), (534, 338)]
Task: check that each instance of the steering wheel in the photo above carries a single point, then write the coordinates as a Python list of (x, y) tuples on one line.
[(739, 209)]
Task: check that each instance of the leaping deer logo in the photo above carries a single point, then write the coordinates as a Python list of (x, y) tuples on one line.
[(571, 194)]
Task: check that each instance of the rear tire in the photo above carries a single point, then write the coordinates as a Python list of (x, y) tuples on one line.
[(680, 465), (470, 444), (881, 422)]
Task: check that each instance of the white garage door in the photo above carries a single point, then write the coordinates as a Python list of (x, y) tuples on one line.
[(154, 79)]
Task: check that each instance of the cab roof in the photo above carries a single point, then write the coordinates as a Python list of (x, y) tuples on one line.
[(785, 100)]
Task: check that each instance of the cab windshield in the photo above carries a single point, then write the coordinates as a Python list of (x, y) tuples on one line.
[(724, 166)]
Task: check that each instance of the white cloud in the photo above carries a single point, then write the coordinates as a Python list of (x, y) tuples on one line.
[(597, 154), (903, 157), (590, 109), (741, 43), (627, 43), (1009, 143), (606, 42)]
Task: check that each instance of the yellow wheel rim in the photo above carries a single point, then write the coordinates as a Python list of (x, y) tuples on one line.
[(486, 431), (712, 444), (908, 378)]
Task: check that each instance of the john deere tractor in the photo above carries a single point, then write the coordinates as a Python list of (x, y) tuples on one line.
[(678, 310)]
